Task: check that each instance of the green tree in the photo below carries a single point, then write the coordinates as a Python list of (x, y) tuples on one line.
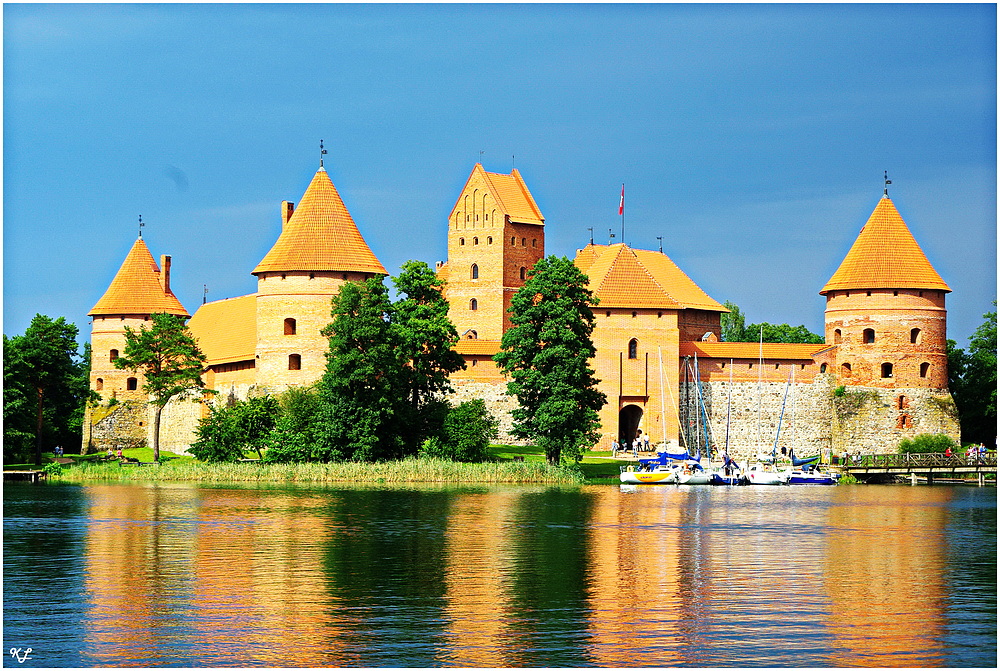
[(546, 353), (365, 390), (735, 329), (733, 323), (972, 378), (229, 431), (45, 386), (467, 431), (169, 359), (427, 338)]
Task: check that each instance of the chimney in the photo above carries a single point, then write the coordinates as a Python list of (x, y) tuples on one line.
[(287, 207), (165, 273)]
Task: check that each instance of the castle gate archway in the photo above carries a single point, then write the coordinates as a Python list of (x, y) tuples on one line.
[(628, 423)]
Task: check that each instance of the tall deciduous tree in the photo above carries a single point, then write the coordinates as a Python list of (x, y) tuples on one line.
[(45, 386), (546, 353), (169, 359), (972, 378), (364, 388), (427, 338)]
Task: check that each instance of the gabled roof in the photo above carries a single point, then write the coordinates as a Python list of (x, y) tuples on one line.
[(636, 278), (136, 288), (751, 350), (511, 194), (885, 256), (320, 235), (477, 347), (226, 330)]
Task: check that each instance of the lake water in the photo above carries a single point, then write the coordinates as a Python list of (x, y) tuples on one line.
[(196, 576)]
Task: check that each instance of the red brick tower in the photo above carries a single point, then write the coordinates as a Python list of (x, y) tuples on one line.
[(885, 310), (318, 250), (495, 235)]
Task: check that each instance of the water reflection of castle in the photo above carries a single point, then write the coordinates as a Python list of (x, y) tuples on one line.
[(884, 335), (510, 577)]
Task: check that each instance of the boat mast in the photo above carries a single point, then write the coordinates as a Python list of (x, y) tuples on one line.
[(774, 450)]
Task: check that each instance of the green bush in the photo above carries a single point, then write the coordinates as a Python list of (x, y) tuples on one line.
[(52, 468), (466, 434), (927, 442), (228, 431)]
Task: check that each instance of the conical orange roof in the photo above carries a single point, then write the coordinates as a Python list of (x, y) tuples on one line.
[(637, 278), (136, 289), (320, 235), (885, 256)]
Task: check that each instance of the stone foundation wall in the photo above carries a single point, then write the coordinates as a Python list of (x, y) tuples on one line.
[(494, 394)]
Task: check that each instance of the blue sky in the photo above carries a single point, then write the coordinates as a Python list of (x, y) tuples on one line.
[(752, 138)]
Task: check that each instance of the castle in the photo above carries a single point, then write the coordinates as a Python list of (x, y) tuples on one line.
[(880, 376)]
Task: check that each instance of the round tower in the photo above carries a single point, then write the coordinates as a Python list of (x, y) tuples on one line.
[(318, 250), (885, 310), (138, 290)]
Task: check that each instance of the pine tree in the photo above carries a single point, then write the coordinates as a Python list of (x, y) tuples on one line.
[(546, 353)]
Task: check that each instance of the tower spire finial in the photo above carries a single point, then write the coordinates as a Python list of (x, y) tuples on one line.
[(885, 191), (322, 151), (141, 224)]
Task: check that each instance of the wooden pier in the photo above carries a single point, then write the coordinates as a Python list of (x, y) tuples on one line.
[(922, 467), (33, 476)]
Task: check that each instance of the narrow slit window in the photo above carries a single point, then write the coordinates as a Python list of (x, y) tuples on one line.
[(289, 326), (294, 362), (633, 349)]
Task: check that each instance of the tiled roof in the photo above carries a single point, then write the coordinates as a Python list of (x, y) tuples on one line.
[(637, 278), (750, 350), (320, 235), (226, 330), (480, 347), (885, 256), (136, 288), (511, 194)]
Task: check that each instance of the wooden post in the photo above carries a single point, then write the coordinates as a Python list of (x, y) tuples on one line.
[(913, 478)]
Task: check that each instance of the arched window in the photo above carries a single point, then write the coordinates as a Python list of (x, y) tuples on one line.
[(868, 337), (533, 241), (475, 240), (132, 384), (836, 336), (924, 369), (901, 402), (99, 384), (524, 242), (473, 304), (461, 242), (845, 368), (914, 336), (886, 370), (489, 240), (114, 355), (294, 362), (475, 271), (523, 271), (289, 326), (822, 368), (471, 335), (633, 349), (513, 241)]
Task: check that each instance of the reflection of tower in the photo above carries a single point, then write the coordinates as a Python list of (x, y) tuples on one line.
[(862, 579), (496, 235), (885, 309), (319, 249)]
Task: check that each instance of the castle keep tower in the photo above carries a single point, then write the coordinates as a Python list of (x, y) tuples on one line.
[(885, 309), (140, 288), (495, 236), (319, 249)]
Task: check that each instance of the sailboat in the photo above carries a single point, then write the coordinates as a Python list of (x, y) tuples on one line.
[(805, 471), (729, 473), (765, 471)]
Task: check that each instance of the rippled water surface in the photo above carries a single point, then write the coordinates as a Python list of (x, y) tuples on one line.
[(124, 575)]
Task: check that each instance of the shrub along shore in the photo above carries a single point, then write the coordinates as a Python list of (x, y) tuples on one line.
[(424, 470)]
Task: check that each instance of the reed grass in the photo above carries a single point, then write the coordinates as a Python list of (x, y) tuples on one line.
[(422, 470)]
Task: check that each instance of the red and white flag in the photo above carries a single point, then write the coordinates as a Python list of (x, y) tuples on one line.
[(621, 203)]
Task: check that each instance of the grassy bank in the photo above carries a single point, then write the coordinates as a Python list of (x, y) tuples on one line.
[(408, 470)]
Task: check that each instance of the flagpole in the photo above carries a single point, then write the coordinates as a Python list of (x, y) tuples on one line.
[(621, 211)]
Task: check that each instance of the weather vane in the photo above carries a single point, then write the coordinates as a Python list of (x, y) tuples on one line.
[(141, 224), (321, 152), (888, 181), (611, 236), (591, 229), (660, 238)]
